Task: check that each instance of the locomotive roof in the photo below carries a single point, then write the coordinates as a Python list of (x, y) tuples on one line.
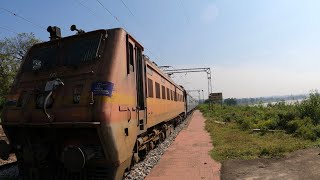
[(161, 73)]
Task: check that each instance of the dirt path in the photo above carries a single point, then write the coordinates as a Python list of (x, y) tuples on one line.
[(188, 156), (302, 164)]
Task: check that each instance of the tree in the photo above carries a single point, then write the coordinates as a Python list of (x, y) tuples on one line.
[(230, 101), (12, 51)]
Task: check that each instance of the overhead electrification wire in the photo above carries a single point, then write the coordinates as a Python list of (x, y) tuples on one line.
[(21, 17), (115, 17), (118, 20), (127, 8), (90, 10), (7, 29), (86, 7)]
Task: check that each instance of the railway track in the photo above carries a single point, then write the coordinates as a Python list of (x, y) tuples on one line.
[(9, 171)]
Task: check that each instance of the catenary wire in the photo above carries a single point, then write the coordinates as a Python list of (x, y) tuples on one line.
[(115, 17), (127, 8), (118, 20), (9, 30), (90, 10), (23, 18)]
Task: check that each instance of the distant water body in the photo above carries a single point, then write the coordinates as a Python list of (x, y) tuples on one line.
[(288, 102)]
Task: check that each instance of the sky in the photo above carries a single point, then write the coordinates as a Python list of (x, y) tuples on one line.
[(254, 47)]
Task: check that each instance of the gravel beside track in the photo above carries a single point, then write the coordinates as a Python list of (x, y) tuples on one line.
[(142, 169), (9, 171)]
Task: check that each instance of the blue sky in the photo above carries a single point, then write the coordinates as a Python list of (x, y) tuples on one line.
[(255, 48)]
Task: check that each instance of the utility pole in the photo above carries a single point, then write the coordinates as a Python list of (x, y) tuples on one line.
[(202, 97)]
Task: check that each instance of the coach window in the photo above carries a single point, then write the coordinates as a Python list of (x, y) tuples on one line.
[(175, 95), (171, 95), (150, 88), (168, 94), (157, 90), (163, 91)]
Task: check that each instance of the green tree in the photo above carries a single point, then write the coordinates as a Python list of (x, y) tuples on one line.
[(12, 51), (231, 101)]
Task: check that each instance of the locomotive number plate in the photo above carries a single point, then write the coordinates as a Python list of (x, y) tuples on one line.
[(102, 88)]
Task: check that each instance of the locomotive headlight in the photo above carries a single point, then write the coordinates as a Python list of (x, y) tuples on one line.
[(77, 94), (76, 98)]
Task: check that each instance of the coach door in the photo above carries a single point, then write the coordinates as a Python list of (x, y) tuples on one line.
[(141, 90)]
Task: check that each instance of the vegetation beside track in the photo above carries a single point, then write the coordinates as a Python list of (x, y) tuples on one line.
[(298, 127)]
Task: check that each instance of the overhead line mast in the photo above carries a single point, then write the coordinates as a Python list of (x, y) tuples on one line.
[(189, 70)]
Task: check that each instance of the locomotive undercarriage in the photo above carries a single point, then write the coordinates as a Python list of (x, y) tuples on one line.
[(59, 153), (155, 135)]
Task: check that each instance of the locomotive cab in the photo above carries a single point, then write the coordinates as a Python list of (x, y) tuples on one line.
[(76, 106)]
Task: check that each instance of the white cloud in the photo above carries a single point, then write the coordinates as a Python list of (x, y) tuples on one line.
[(210, 13)]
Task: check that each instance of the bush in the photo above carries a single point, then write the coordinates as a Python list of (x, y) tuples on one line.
[(246, 123), (271, 123), (307, 132), (310, 107)]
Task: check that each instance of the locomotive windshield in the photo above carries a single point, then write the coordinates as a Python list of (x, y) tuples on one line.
[(65, 52)]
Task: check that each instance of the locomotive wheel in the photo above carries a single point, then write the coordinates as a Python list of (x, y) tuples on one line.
[(136, 158), (152, 145), (162, 137)]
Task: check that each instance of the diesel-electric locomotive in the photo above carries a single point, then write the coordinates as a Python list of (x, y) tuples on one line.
[(88, 106)]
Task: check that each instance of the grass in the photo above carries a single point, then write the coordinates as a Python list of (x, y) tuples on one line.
[(298, 125), (230, 142)]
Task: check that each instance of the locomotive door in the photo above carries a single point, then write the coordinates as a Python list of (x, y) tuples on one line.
[(141, 90)]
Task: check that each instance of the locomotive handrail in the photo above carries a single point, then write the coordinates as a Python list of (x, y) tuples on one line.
[(57, 82), (45, 106), (129, 114)]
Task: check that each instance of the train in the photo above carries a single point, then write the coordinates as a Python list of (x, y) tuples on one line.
[(88, 106)]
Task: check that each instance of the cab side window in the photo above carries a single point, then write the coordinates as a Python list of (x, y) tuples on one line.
[(130, 56), (131, 60)]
